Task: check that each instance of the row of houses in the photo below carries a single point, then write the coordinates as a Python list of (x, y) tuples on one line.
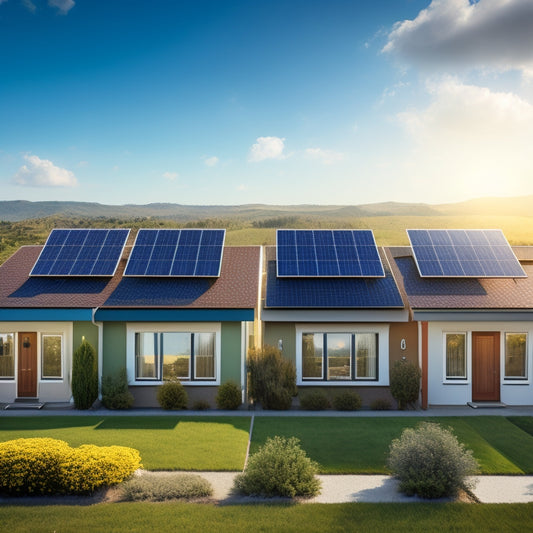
[(470, 333)]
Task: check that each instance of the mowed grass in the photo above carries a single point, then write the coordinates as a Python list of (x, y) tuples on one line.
[(354, 445), (171, 517), (165, 442)]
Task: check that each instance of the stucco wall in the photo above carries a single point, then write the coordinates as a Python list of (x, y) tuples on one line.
[(114, 347)]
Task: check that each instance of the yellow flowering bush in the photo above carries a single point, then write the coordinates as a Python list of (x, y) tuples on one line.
[(50, 466)]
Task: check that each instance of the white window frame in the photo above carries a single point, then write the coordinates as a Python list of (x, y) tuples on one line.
[(42, 335), (171, 327), (382, 332), (468, 358), (503, 351), (4, 379)]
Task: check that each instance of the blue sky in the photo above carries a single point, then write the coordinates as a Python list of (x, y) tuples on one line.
[(278, 102)]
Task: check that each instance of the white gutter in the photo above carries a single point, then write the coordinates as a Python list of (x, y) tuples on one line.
[(100, 327)]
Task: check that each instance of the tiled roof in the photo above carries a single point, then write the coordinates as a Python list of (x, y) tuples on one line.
[(329, 293), (425, 293), (237, 286)]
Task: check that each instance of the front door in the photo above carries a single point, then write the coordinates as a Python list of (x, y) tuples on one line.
[(485, 366), (27, 365)]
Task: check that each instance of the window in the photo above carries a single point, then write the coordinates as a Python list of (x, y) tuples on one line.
[(455, 356), (170, 355), (515, 355), (51, 367), (345, 356), (7, 356)]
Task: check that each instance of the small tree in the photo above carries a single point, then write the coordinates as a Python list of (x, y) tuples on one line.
[(405, 383), (272, 378), (429, 461), (84, 376)]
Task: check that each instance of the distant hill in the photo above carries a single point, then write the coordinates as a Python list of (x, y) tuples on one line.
[(18, 210)]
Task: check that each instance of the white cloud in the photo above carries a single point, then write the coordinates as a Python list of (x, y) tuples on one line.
[(211, 161), (170, 176), (83, 163), (469, 142), (43, 173), (2, 1), (64, 6), (29, 5), (326, 157), (241, 187), (460, 34), (267, 148)]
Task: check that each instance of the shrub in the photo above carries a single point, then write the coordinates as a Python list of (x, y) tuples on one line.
[(314, 401), (201, 405), (229, 396), (49, 466), (279, 468), (347, 401), (84, 376), (272, 378), (380, 404), (430, 461), (172, 395), (115, 391), (405, 383), (158, 487)]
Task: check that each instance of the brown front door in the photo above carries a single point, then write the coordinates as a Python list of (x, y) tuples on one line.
[(486, 367), (27, 365)]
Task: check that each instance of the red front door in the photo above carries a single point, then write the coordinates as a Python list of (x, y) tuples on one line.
[(27, 365), (486, 366)]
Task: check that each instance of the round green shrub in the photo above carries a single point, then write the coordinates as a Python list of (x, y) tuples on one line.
[(314, 401), (405, 383), (172, 395), (347, 401), (84, 376), (279, 468), (229, 396), (115, 391), (429, 461)]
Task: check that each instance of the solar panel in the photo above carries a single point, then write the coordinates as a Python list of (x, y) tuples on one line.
[(81, 252), (464, 254), (176, 253), (327, 253)]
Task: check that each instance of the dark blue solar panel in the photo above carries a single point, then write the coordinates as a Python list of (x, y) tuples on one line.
[(327, 253), (464, 253), (175, 252), (81, 252)]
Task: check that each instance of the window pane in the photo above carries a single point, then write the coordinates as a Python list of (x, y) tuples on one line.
[(146, 356), (455, 356), (176, 350), (366, 355), (204, 355), (312, 352), (7, 356), (51, 356), (339, 356), (515, 355)]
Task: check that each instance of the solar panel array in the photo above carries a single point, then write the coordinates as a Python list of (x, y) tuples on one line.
[(176, 253), (81, 252), (464, 254), (327, 253)]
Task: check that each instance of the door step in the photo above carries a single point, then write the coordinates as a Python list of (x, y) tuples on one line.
[(25, 403), (486, 405)]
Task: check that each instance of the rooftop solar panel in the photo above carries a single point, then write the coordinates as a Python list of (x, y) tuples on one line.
[(176, 253), (327, 253), (464, 254), (81, 252)]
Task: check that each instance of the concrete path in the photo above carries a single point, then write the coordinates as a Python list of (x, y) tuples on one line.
[(384, 489)]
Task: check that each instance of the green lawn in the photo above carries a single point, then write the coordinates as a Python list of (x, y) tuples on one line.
[(128, 517), (165, 442), (360, 445)]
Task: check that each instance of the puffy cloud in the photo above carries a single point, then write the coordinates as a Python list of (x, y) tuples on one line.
[(327, 157), (211, 161), (488, 34), (170, 176), (64, 6), (267, 148), (470, 142), (43, 173)]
